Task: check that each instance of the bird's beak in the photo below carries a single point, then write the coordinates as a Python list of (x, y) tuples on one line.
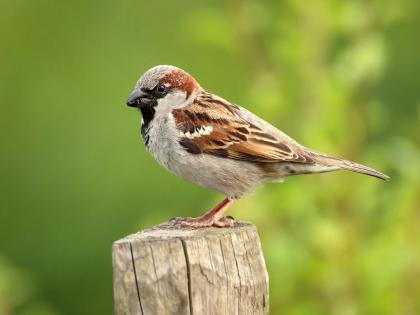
[(140, 98)]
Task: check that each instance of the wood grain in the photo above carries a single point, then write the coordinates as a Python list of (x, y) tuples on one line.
[(182, 271)]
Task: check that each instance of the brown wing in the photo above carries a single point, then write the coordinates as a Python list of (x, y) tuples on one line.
[(212, 125)]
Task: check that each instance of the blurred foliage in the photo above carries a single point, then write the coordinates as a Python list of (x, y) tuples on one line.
[(342, 77), (17, 292)]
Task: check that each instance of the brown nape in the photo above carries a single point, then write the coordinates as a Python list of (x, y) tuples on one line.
[(181, 80)]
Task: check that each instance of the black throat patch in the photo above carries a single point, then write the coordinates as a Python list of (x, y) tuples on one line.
[(148, 113)]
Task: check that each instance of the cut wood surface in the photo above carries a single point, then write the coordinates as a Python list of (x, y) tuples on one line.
[(182, 271)]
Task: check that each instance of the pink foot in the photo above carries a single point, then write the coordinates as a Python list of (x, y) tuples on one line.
[(212, 218)]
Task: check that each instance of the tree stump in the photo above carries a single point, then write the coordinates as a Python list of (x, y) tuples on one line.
[(182, 271)]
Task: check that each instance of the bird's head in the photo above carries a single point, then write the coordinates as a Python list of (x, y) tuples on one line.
[(163, 88)]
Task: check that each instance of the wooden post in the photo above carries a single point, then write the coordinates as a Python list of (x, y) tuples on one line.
[(183, 271)]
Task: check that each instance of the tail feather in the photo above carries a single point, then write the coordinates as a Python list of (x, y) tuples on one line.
[(346, 165), (358, 168)]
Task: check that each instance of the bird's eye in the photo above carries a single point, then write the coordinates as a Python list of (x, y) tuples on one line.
[(161, 88), (160, 91)]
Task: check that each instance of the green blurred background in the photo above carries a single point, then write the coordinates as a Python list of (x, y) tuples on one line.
[(342, 77)]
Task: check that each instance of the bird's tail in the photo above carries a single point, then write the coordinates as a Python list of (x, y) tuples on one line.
[(328, 160)]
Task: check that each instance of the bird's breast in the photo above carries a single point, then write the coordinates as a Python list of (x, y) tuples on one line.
[(161, 140)]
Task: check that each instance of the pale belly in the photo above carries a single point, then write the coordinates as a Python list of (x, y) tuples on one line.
[(232, 178)]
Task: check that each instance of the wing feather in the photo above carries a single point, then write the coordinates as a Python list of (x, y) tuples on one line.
[(232, 136)]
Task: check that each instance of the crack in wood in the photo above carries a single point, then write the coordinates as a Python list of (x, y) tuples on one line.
[(225, 269), (187, 262), (250, 269), (135, 278), (239, 276)]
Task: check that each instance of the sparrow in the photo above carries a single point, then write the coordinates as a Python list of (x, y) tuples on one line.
[(217, 144)]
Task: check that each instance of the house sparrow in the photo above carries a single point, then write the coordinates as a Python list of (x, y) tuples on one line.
[(219, 145)]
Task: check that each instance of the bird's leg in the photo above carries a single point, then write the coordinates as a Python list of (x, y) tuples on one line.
[(212, 218)]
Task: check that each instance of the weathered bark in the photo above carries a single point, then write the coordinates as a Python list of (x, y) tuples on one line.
[(183, 271)]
